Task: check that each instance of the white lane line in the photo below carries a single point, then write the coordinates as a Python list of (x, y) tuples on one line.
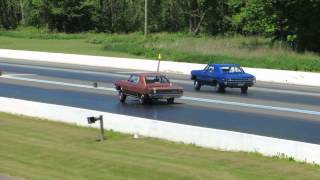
[(172, 80), (280, 91), (56, 83), (256, 106), (20, 75), (67, 70), (285, 91)]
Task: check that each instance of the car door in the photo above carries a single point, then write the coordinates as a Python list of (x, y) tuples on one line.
[(202, 76), (133, 85), (128, 86), (207, 75)]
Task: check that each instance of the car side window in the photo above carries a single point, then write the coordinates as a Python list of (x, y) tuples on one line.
[(235, 69), (156, 79), (231, 69), (134, 79)]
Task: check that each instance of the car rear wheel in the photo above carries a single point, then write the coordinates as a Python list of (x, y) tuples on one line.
[(244, 89), (122, 97), (170, 100), (221, 87), (196, 85), (143, 99)]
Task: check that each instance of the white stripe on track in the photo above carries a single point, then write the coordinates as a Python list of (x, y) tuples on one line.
[(56, 83), (172, 80), (256, 106)]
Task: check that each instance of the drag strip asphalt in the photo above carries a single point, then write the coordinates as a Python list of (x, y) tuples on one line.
[(289, 113)]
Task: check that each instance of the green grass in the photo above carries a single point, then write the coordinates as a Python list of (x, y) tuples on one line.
[(248, 51), (38, 149), (76, 46)]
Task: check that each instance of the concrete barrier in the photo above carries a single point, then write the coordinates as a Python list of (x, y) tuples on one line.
[(205, 137), (267, 75)]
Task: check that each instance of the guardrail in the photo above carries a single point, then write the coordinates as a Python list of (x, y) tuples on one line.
[(268, 75), (204, 137)]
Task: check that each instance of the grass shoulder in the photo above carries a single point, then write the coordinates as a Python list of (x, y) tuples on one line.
[(252, 51), (34, 148)]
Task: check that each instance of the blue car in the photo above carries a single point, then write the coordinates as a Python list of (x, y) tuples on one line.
[(223, 76)]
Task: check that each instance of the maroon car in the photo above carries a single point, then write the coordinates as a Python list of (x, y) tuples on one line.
[(148, 86)]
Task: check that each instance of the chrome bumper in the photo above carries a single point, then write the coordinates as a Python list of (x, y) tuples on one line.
[(238, 84), (165, 96)]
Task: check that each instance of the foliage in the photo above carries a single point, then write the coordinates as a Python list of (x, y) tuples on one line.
[(295, 22), (9, 14), (67, 16)]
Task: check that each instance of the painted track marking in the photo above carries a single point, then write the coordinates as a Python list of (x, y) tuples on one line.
[(172, 80), (247, 105)]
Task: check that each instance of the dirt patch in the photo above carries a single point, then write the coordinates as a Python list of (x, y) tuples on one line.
[(6, 177)]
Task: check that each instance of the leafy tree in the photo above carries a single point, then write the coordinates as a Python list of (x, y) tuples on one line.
[(120, 15), (67, 15), (10, 14), (300, 23), (295, 22)]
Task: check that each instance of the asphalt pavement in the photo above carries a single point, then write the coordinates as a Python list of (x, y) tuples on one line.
[(275, 110)]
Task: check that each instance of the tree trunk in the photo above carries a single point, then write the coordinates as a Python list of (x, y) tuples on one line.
[(197, 29), (22, 12), (190, 23)]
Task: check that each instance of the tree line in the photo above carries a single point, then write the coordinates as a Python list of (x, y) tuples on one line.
[(296, 22)]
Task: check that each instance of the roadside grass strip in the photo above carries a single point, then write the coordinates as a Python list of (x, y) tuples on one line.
[(32, 148), (172, 46)]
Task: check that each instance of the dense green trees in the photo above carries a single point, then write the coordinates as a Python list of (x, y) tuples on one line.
[(10, 13), (293, 21), (68, 16)]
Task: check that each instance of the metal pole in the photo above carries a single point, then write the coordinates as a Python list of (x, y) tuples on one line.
[(101, 129), (158, 65), (159, 59), (145, 18)]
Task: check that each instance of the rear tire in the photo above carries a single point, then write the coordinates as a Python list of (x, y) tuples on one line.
[(170, 100), (196, 85), (244, 89), (221, 87), (122, 97)]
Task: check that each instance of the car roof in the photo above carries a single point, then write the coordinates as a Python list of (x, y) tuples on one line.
[(219, 65), (148, 74)]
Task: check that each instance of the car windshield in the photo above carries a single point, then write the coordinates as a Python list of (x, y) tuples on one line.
[(231, 69), (209, 68), (156, 79)]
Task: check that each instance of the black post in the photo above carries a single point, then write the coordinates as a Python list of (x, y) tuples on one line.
[(95, 84), (101, 128), (92, 120)]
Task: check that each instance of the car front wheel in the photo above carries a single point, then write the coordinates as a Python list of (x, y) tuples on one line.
[(196, 85), (170, 100), (221, 87), (244, 89), (122, 97)]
